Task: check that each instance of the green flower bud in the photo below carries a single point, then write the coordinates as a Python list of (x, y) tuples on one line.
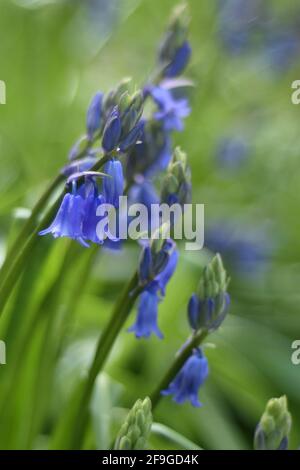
[(176, 186), (131, 109), (124, 102), (176, 33), (114, 97), (214, 280), (272, 432), (136, 428), (208, 307)]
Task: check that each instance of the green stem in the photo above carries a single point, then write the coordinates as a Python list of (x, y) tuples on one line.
[(77, 423), (18, 263), (177, 364)]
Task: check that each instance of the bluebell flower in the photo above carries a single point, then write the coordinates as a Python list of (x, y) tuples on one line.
[(166, 265), (179, 61), (94, 114), (161, 264), (123, 127), (170, 111), (113, 184), (186, 384), (155, 271), (68, 220), (77, 216), (112, 131), (146, 319)]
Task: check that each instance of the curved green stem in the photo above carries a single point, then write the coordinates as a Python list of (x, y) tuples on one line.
[(18, 263), (177, 364), (28, 226)]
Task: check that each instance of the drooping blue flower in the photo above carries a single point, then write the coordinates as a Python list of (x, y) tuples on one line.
[(112, 131), (164, 264), (68, 220), (186, 384), (170, 111), (113, 184), (94, 114), (155, 271), (161, 264), (146, 319), (179, 62)]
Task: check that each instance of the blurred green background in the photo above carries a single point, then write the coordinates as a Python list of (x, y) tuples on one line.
[(243, 143)]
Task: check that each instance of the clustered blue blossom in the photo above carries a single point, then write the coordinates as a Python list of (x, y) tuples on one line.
[(77, 216), (140, 147), (136, 148)]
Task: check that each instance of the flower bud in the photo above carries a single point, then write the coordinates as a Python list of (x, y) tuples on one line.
[(175, 51), (131, 112), (272, 432), (135, 431), (176, 186), (113, 98), (208, 307), (112, 131)]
